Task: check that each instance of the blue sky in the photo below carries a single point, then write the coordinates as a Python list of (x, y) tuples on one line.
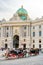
[(9, 7)]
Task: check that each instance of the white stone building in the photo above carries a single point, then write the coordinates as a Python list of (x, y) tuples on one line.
[(21, 32)]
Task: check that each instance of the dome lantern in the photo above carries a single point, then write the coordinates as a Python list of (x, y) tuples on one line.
[(22, 6)]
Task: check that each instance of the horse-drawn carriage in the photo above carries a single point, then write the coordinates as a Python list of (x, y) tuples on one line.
[(34, 51)]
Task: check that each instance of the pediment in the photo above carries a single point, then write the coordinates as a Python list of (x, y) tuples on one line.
[(15, 18)]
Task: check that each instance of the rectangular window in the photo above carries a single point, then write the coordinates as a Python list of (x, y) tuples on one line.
[(39, 40), (5, 40), (7, 28), (33, 34), (7, 34), (39, 46), (33, 27), (33, 41), (39, 26), (33, 46), (39, 33), (24, 27)]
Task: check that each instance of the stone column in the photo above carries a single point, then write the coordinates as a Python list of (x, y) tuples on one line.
[(2, 39), (11, 36)]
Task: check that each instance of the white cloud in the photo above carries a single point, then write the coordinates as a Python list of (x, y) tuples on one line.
[(8, 7)]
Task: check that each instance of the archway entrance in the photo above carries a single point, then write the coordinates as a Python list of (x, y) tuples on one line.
[(16, 41)]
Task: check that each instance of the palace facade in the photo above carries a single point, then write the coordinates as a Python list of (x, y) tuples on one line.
[(21, 32)]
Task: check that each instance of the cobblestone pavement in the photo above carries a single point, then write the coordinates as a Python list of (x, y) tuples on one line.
[(35, 60)]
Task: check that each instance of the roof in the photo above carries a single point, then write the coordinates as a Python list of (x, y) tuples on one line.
[(22, 13)]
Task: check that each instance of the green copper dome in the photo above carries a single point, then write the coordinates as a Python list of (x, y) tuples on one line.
[(22, 13)]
